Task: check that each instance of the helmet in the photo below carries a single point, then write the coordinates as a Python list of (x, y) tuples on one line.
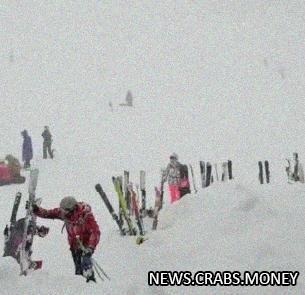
[(68, 203), (174, 156)]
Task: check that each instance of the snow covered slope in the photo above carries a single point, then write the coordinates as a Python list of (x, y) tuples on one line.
[(212, 80), (225, 227)]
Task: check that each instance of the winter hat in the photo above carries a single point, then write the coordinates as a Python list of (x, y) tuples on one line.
[(68, 203), (24, 132), (174, 156)]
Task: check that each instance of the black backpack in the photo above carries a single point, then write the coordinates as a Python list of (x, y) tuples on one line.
[(184, 173)]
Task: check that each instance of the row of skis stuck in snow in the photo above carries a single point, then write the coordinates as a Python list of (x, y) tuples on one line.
[(209, 172), (294, 170), (19, 235), (130, 211), (132, 205)]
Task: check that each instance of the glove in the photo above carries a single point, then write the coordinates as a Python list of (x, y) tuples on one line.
[(35, 207), (88, 251), (29, 205), (42, 231)]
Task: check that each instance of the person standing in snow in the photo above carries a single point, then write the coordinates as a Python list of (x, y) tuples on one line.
[(82, 229), (47, 142), (27, 149), (172, 174)]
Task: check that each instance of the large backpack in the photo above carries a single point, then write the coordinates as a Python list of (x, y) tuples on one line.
[(184, 186)]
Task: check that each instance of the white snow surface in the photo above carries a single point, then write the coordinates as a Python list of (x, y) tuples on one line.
[(211, 80)]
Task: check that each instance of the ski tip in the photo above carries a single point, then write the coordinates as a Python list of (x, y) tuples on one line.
[(98, 187)]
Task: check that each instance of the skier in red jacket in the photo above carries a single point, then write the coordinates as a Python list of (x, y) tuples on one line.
[(82, 229)]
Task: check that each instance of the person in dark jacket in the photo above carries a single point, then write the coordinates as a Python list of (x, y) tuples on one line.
[(47, 143), (82, 229), (27, 149), (172, 175)]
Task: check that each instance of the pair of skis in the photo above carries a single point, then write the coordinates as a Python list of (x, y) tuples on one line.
[(139, 213), (20, 234), (123, 207), (261, 172), (29, 229), (207, 175), (117, 181)]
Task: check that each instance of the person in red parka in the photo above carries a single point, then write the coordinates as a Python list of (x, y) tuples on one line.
[(82, 229)]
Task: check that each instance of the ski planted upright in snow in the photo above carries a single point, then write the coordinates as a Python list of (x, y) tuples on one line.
[(104, 197), (208, 174), (136, 211), (230, 169), (126, 192), (267, 171), (158, 201), (8, 239), (123, 206), (202, 173), (29, 229), (143, 192), (193, 179), (260, 172)]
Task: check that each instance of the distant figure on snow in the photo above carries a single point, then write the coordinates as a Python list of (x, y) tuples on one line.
[(82, 229), (27, 149), (47, 143), (128, 99)]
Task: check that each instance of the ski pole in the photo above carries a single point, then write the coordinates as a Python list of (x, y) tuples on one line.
[(98, 273), (98, 266)]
